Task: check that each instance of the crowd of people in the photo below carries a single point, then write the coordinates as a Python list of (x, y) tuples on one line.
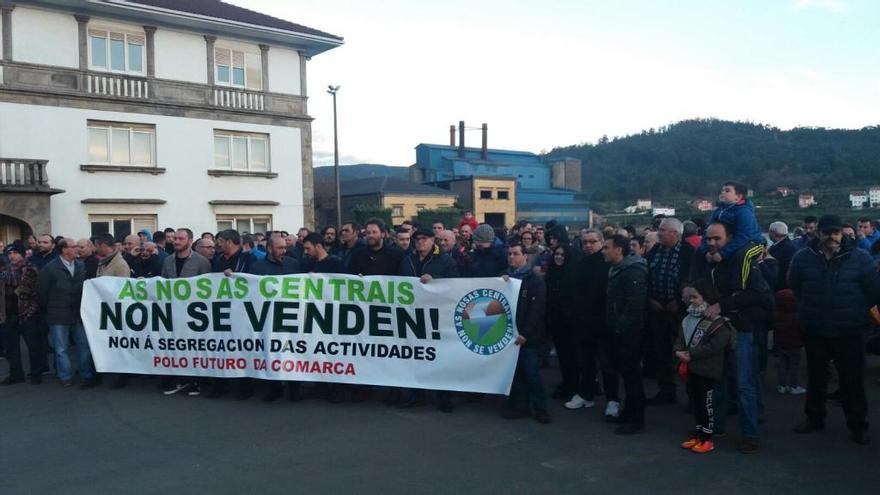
[(686, 304)]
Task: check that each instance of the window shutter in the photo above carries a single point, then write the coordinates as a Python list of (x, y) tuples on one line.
[(238, 60), (141, 223), (221, 57), (254, 68)]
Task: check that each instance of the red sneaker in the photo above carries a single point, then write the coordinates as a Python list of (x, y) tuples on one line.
[(690, 443), (703, 447)]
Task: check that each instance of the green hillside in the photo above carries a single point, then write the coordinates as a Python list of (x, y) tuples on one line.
[(694, 157)]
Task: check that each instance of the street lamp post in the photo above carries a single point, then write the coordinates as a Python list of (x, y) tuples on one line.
[(332, 90)]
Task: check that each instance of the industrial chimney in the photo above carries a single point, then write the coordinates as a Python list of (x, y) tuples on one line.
[(461, 139), (484, 152)]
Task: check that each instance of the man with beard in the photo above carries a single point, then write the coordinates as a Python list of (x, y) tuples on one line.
[(147, 263), (745, 298), (835, 285), (45, 252), (276, 263), (376, 258)]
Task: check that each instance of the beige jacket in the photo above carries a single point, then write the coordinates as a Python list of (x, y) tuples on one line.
[(114, 266)]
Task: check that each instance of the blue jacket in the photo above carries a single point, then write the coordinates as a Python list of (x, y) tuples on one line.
[(867, 242), (741, 217), (834, 295)]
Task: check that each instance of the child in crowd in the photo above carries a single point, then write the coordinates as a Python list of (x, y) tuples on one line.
[(735, 210), (700, 349), (787, 342)]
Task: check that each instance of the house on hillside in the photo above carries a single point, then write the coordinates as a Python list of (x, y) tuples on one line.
[(874, 196), (663, 210), (784, 191), (858, 199), (631, 209), (702, 204), (806, 201), (643, 204)]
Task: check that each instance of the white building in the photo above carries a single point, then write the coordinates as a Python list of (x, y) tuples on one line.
[(858, 199), (125, 114), (806, 201), (874, 197), (663, 210), (643, 204)]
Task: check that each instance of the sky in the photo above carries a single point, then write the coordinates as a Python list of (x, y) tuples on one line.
[(548, 73)]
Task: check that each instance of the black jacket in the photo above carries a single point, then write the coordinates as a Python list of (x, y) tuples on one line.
[(347, 254), (627, 295), (590, 294), (437, 265), (747, 309), (91, 264), (385, 261), (783, 251), (530, 309), (59, 293), (834, 295), (489, 262), (285, 266), (146, 268), (240, 262), (559, 281)]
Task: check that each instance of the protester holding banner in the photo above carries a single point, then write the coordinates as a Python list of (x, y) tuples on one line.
[(276, 263), (185, 263), (427, 263), (527, 391), (377, 258), (232, 259)]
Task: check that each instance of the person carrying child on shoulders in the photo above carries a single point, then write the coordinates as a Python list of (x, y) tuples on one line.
[(700, 349), (737, 211)]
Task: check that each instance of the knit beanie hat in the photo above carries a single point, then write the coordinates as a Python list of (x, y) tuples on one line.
[(484, 233)]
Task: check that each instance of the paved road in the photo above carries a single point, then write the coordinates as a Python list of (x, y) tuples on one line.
[(133, 441)]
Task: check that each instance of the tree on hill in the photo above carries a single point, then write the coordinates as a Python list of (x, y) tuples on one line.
[(695, 157)]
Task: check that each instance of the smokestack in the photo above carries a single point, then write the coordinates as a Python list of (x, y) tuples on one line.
[(452, 135), (485, 151), (461, 139)]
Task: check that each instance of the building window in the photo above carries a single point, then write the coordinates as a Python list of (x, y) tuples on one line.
[(121, 225), (117, 143), (244, 223), (396, 210), (116, 52), (420, 207), (485, 194), (503, 194), (241, 151), (238, 69)]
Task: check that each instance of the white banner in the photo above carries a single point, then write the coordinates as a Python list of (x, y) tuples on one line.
[(453, 334)]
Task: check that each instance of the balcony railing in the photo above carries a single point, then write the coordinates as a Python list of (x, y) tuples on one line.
[(23, 174), (115, 85), (231, 98), (137, 89)]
